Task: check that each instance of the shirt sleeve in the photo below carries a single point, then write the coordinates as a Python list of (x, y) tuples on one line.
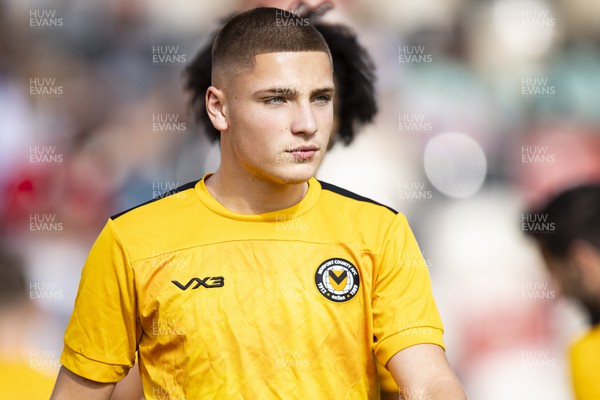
[(404, 311), (102, 334)]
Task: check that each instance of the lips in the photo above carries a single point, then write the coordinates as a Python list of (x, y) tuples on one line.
[(304, 152), (301, 149)]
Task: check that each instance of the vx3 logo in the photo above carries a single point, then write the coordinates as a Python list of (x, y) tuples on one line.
[(208, 282)]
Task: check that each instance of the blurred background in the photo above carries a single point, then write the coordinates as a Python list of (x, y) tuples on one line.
[(486, 108)]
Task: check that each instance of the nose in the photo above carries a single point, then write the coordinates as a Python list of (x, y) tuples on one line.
[(303, 121)]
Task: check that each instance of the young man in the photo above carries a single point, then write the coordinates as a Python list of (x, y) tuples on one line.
[(572, 254), (355, 100), (258, 281)]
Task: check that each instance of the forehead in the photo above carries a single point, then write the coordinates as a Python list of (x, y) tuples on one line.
[(293, 67)]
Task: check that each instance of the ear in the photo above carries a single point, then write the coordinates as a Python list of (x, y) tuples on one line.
[(587, 260), (216, 108)]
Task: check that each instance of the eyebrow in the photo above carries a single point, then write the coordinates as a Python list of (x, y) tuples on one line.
[(292, 92)]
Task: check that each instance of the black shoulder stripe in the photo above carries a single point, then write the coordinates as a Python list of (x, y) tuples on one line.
[(352, 195), (189, 185)]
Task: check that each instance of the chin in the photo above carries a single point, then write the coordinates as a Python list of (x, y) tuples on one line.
[(297, 174)]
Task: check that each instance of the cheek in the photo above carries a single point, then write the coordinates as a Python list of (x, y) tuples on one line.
[(325, 116), (257, 133), (266, 129)]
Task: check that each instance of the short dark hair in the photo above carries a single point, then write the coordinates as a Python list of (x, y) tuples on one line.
[(576, 215), (353, 69), (263, 30)]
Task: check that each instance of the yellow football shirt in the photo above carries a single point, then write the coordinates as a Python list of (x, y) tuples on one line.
[(585, 365), (290, 304)]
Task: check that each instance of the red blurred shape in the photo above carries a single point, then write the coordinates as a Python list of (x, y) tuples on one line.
[(25, 186)]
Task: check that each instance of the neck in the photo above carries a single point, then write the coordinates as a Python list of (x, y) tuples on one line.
[(252, 195)]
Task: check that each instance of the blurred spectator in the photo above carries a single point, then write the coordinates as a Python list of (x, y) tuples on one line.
[(568, 235)]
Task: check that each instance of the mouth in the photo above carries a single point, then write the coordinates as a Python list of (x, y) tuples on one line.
[(305, 152)]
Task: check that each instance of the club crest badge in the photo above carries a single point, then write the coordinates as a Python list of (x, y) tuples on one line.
[(337, 280)]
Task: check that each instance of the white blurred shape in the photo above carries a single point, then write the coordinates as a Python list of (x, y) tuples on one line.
[(506, 375), (455, 164), (525, 28)]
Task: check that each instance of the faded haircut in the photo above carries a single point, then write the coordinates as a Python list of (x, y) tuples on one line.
[(262, 30)]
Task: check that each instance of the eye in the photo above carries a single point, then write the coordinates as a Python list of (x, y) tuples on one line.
[(323, 98), (274, 100)]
